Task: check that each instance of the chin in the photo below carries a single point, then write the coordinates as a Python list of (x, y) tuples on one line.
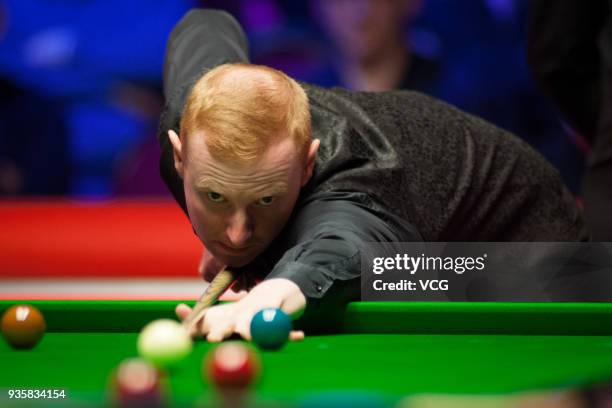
[(237, 263), (237, 260)]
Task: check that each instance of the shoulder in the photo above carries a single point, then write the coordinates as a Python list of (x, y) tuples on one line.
[(350, 211)]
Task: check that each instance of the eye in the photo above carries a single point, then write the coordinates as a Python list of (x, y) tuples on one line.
[(215, 197), (265, 201)]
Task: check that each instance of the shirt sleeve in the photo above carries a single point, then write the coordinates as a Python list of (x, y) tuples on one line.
[(324, 246)]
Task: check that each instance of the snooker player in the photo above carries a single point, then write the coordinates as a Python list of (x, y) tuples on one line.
[(285, 181)]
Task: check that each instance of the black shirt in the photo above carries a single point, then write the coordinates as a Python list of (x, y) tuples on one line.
[(392, 167)]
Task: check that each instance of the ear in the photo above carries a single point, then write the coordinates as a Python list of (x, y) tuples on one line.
[(310, 161), (177, 149)]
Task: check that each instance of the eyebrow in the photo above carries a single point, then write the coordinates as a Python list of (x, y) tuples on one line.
[(206, 183)]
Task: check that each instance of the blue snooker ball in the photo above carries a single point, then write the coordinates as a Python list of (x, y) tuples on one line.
[(347, 399), (270, 328)]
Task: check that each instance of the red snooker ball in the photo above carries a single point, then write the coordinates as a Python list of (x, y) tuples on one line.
[(23, 326), (232, 365), (138, 384)]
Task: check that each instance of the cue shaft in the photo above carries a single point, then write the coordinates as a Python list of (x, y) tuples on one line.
[(219, 284)]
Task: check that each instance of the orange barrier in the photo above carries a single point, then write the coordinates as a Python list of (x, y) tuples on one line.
[(93, 239)]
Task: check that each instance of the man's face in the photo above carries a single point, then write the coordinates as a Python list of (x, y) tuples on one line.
[(238, 210)]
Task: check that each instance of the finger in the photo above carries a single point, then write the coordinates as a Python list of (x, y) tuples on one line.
[(220, 333), (231, 296), (218, 323), (296, 335), (293, 307), (244, 332), (243, 326), (182, 311)]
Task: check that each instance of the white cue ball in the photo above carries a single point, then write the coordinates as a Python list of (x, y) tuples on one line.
[(164, 342)]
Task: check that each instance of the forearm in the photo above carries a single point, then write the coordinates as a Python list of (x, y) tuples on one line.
[(326, 240)]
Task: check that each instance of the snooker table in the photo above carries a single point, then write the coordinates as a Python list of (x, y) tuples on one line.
[(390, 349)]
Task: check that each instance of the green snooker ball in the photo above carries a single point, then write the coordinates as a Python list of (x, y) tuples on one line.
[(270, 328)]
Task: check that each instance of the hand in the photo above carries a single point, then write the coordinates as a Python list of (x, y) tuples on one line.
[(210, 266), (221, 321)]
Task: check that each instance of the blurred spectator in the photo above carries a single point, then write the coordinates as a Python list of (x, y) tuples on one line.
[(137, 171), (372, 50), (98, 62), (469, 53), (33, 148), (570, 50), (488, 75), (34, 156)]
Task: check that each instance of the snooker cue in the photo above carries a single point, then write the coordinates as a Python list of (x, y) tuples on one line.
[(219, 284)]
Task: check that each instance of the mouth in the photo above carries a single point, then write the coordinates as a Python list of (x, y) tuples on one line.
[(230, 250)]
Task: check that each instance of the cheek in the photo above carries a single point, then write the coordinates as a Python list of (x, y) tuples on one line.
[(284, 210), (202, 220), (269, 225)]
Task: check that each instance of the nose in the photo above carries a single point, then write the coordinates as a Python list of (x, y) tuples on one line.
[(239, 229)]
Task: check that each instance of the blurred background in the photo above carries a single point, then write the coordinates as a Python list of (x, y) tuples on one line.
[(80, 81)]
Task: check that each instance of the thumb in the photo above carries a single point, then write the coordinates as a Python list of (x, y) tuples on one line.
[(182, 311)]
